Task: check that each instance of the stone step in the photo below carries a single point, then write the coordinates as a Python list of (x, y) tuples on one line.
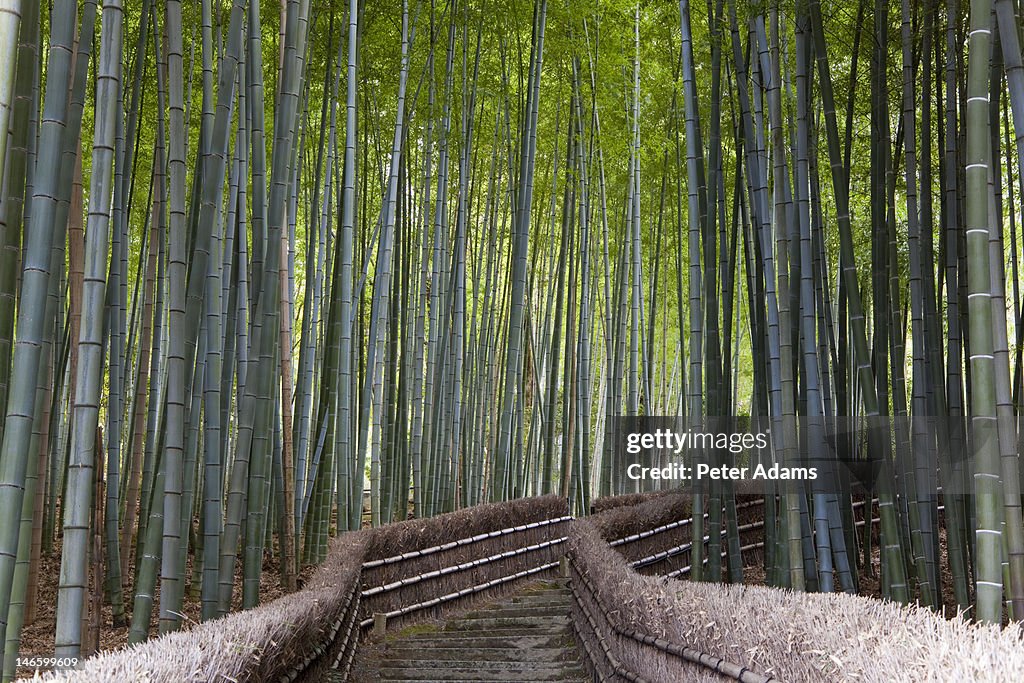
[(501, 664), (509, 611), (526, 638), (544, 597), (473, 640), (545, 584), (477, 674), (512, 653), (488, 623), (508, 632)]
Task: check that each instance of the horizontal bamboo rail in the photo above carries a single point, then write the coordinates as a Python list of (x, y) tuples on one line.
[(686, 570), (754, 546), (408, 581), (680, 549), (365, 623), (674, 551), (639, 536), (343, 626), (413, 554)]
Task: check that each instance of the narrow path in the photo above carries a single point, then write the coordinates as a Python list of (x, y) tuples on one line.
[(527, 637)]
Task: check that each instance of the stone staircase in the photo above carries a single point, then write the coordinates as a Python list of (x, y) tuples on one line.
[(527, 637)]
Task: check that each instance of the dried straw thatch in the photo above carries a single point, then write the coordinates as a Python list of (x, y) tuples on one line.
[(839, 637), (612, 599), (271, 642), (605, 503), (416, 534), (792, 637), (621, 522), (617, 523)]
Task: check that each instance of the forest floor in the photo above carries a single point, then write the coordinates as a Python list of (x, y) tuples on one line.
[(870, 584)]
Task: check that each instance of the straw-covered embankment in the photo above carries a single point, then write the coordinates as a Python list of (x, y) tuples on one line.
[(788, 636), (616, 609), (840, 637), (271, 642)]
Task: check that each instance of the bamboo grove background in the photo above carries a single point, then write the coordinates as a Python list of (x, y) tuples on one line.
[(257, 258)]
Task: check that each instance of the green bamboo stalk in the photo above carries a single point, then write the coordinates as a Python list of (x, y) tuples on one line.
[(10, 22), (814, 403), (633, 234), (952, 219), (260, 389), (136, 448), (987, 488), (14, 176), (213, 456), (22, 155), (372, 392), (80, 483), (1010, 42), (696, 210), (919, 444), (173, 427), (343, 270), (14, 453), (150, 526)]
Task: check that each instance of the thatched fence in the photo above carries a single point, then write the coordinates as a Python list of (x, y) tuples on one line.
[(622, 622), (653, 628), (654, 535), (416, 569)]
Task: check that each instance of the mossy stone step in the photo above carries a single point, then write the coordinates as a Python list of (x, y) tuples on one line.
[(510, 611), (509, 653), (553, 630), (488, 623), (473, 640), (477, 674), (557, 596), (525, 638)]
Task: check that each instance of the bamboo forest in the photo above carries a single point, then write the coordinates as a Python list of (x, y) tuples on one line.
[(271, 272)]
